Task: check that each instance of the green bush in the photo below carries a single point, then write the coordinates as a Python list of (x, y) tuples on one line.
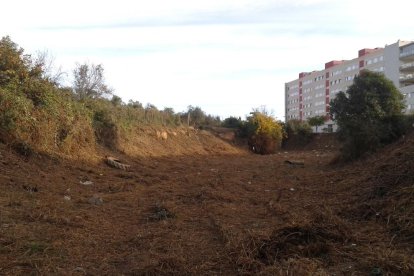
[(369, 115), (59, 124), (15, 112), (106, 131), (300, 129), (232, 122)]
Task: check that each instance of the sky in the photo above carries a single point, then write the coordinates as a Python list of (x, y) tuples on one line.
[(225, 56)]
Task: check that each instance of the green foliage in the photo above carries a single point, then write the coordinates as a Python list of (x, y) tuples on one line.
[(16, 68), (106, 131), (135, 104), (264, 132), (232, 122), (170, 118), (298, 131), (196, 117), (116, 100), (316, 121), (35, 111), (299, 128), (369, 115), (15, 110)]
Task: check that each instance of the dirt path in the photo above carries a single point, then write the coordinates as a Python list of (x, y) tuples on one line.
[(187, 215)]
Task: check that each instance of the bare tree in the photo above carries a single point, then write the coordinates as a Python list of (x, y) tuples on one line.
[(89, 81), (46, 61)]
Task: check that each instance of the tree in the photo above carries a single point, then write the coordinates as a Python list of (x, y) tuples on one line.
[(170, 117), (232, 122), (116, 100), (169, 111), (369, 115), (135, 104), (46, 61), (195, 116), (316, 121), (89, 81)]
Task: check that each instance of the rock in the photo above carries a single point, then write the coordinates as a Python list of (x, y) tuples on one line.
[(96, 200), (67, 198), (161, 213), (376, 271), (164, 135)]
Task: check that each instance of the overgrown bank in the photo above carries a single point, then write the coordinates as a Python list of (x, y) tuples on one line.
[(37, 114)]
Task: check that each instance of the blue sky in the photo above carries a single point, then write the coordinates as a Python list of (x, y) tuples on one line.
[(225, 56)]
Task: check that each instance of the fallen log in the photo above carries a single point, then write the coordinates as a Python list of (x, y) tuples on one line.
[(295, 162), (116, 163)]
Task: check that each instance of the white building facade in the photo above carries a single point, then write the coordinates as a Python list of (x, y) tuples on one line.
[(311, 93)]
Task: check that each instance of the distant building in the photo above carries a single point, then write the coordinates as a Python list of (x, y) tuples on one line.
[(310, 94)]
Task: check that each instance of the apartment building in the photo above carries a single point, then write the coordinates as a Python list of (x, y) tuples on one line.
[(310, 94)]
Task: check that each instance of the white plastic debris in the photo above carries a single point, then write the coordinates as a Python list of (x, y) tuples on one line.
[(86, 183)]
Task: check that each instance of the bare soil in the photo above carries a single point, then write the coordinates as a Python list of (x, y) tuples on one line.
[(218, 214)]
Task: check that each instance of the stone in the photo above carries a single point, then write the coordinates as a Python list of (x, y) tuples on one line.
[(96, 200)]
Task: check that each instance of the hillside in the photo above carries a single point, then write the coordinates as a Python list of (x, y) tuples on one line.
[(194, 205)]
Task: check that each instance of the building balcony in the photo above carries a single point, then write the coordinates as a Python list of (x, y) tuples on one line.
[(406, 79), (407, 67), (407, 55)]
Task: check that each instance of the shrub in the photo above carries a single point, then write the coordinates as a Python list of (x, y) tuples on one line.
[(298, 127), (264, 133), (59, 124), (15, 110)]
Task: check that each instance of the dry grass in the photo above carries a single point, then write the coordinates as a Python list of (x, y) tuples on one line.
[(234, 214)]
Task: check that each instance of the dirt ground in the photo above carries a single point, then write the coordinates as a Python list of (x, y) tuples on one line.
[(230, 214)]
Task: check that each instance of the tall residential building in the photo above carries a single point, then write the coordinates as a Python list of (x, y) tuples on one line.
[(310, 94)]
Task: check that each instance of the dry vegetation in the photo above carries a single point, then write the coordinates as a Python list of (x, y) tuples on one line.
[(194, 205)]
